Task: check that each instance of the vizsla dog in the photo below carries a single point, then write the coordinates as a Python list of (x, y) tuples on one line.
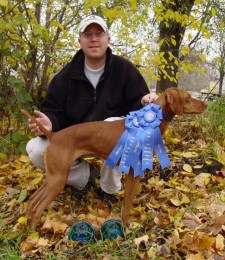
[(97, 138)]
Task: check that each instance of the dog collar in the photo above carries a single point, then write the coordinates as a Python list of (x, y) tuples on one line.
[(167, 117)]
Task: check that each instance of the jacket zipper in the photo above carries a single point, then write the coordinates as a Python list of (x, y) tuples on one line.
[(94, 95)]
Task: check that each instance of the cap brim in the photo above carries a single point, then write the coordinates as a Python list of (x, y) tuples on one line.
[(87, 24)]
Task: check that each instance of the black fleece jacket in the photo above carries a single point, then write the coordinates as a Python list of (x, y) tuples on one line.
[(71, 99)]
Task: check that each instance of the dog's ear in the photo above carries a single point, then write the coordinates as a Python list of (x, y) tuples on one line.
[(174, 101)]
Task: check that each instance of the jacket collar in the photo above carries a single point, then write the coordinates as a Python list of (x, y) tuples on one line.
[(76, 66)]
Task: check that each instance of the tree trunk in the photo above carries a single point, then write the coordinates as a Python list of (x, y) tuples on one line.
[(221, 83), (171, 36)]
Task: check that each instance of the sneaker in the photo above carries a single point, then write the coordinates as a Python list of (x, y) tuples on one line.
[(79, 194)]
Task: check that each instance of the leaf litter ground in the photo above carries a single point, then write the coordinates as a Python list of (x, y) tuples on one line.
[(178, 213)]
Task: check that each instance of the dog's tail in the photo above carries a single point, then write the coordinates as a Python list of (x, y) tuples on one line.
[(41, 127)]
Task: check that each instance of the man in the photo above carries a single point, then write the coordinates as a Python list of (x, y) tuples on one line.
[(95, 85)]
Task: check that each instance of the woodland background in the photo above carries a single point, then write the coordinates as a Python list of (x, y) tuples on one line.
[(179, 213), (171, 42)]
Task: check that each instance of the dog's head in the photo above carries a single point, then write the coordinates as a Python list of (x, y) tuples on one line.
[(181, 102)]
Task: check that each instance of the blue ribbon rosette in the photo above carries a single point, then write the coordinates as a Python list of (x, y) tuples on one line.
[(140, 140)]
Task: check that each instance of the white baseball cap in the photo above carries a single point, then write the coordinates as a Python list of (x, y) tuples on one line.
[(92, 19)]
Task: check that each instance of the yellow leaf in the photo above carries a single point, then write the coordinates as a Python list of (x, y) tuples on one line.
[(219, 242), (190, 155), (198, 166), (30, 64), (165, 193), (218, 59), (176, 153), (3, 2), (175, 140), (195, 124), (93, 211), (185, 200), (222, 197), (173, 42), (139, 209), (221, 158), (185, 50), (22, 220), (197, 2), (36, 181), (4, 166), (175, 202), (213, 11), (207, 181), (187, 168), (59, 227), (3, 156), (33, 238), (183, 188), (24, 158), (202, 57), (208, 162)]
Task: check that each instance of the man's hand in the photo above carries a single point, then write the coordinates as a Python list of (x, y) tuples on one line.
[(44, 120), (149, 98)]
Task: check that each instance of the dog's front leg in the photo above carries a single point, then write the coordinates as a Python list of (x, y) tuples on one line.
[(131, 185)]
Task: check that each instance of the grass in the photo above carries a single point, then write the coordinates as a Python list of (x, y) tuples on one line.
[(9, 248)]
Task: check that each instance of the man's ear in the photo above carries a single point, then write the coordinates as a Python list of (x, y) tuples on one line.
[(174, 101)]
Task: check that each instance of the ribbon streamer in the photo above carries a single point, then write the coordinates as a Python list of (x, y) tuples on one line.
[(141, 138)]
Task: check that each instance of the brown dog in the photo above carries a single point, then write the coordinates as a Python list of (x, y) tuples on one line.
[(97, 138)]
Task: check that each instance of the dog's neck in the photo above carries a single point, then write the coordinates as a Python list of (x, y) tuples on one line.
[(168, 114)]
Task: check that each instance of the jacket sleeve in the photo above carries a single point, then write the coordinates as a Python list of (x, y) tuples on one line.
[(54, 102), (136, 88)]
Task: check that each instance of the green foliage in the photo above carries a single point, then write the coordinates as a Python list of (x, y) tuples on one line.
[(216, 114), (38, 37), (9, 247), (213, 121), (13, 132)]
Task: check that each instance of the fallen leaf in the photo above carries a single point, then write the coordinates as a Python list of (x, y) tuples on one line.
[(24, 158), (187, 168), (202, 179), (217, 224), (138, 240), (42, 242), (176, 153), (59, 227), (198, 256), (190, 154), (174, 140), (23, 196), (22, 220), (33, 238), (219, 242), (177, 202)]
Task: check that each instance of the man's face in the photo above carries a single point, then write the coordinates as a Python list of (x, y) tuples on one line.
[(94, 41)]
